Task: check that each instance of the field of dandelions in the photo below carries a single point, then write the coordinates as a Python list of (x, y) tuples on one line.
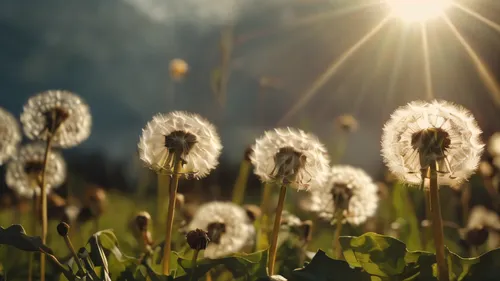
[(435, 215)]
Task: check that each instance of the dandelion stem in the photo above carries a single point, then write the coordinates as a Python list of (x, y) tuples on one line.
[(170, 215), (276, 229), (241, 182), (44, 202), (193, 264), (262, 225), (437, 224), (336, 241)]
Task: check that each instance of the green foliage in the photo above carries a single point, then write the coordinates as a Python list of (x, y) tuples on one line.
[(16, 236)]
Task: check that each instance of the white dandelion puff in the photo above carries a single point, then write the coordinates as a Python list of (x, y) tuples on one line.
[(350, 193), (190, 135), (24, 172), (421, 134), (228, 225), (10, 136), (62, 114), (290, 156)]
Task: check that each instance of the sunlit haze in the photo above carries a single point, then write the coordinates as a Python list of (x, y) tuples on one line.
[(418, 10)]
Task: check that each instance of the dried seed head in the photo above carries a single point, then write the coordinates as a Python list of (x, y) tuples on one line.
[(292, 157), (197, 239), (347, 123), (421, 133), (62, 114), (10, 136), (142, 220), (63, 229)]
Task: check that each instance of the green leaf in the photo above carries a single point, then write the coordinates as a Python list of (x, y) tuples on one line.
[(405, 211), (16, 236), (484, 268), (324, 268), (387, 258), (242, 266)]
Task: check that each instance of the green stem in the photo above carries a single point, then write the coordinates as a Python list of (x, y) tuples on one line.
[(437, 225), (193, 264), (266, 194), (276, 229), (44, 203), (170, 215), (241, 182), (336, 242)]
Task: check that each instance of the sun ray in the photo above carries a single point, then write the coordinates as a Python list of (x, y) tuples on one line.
[(331, 71), (479, 17), (308, 20), (398, 62), (484, 73), (427, 64)]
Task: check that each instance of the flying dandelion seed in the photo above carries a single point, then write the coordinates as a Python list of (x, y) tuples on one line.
[(10, 136), (180, 132), (290, 156), (228, 226), (61, 114), (178, 69), (349, 193), (24, 172), (421, 133)]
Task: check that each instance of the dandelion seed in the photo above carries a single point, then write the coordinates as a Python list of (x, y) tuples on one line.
[(24, 172), (439, 132), (350, 194), (228, 226), (347, 123), (190, 135), (10, 136), (178, 69), (61, 114), (292, 157)]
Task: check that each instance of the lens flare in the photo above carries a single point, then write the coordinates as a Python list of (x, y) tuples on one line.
[(418, 10)]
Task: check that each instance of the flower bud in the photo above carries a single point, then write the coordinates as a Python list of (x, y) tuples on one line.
[(63, 229), (197, 239)]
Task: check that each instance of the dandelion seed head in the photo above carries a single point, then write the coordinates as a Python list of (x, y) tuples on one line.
[(290, 156), (63, 111), (24, 172), (190, 135), (10, 136), (349, 192), (421, 133), (227, 225)]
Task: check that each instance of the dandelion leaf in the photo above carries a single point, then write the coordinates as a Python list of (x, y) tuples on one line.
[(16, 236), (241, 266), (485, 267), (324, 268), (387, 258)]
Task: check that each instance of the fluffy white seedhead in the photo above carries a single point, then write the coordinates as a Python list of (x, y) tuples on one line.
[(10, 136), (24, 171), (63, 111), (480, 217), (167, 133), (228, 227), (494, 145), (461, 149), (349, 192), (290, 156)]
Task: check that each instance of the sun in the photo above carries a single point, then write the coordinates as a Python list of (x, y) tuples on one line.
[(418, 10)]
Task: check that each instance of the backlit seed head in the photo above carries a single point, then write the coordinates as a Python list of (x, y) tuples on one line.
[(350, 194), (421, 133), (290, 157), (197, 239), (187, 135), (24, 172), (10, 136), (62, 114)]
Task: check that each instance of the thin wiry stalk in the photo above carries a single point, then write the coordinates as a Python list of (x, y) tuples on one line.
[(241, 182), (276, 229), (193, 264), (437, 225), (44, 204), (170, 215), (262, 225), (336, 241)]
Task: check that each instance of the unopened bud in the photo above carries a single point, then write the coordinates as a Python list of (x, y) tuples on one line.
[(197, 239), (63, 229)]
